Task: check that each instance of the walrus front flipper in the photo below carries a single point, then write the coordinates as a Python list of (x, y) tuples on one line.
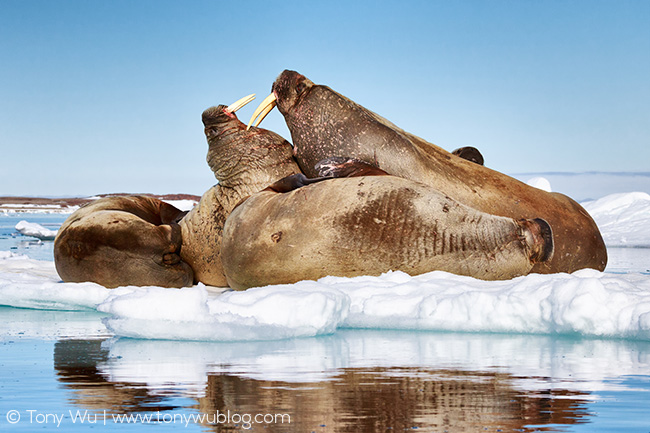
[(537, 235), (290, 183), (337, 166), (330, 168), (470, 153)]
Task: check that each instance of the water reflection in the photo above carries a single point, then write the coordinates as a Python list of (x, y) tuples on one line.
[(353, 381)]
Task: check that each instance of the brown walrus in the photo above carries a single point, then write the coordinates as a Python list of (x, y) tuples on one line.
[(123, 241), (368, 225), (244, 162), (324, 124)]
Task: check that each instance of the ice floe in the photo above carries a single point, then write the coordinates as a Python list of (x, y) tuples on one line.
[(587, 303)]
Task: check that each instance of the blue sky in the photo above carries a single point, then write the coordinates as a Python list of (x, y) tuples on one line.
[(99, 97)]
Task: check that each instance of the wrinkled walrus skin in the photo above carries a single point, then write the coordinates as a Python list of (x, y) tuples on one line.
[(326, 124), (244, 162), (123, 241), (368, 225)]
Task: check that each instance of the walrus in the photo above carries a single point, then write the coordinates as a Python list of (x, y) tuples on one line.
[(123, 241), (325, 124), (367, 225), (244, 161)]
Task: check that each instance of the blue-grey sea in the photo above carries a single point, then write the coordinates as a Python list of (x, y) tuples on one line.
[(62, 371)]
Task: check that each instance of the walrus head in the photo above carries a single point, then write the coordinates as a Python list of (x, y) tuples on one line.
[(244, 156), (325, 124)]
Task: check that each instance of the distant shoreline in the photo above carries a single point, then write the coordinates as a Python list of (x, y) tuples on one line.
[(11, 204)]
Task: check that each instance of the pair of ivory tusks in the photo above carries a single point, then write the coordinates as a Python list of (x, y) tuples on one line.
[(262, 110)]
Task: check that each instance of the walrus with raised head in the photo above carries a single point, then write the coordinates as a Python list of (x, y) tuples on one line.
[(244, 161), (325, 124)]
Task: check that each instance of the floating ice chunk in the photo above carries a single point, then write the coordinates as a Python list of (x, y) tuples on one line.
[(35, 230), (182, 204), (193, 314), (623, 219), (541, 183)]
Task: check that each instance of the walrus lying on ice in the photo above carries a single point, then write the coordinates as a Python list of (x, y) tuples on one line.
[(368, 225), (123, 241), (325, 124)]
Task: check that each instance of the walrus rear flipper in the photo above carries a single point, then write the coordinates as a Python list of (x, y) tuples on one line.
[(537, 234), (337, 166), (470, 153)]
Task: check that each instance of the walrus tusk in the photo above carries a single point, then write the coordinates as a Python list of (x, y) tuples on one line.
[(240, 103), (263, 109)]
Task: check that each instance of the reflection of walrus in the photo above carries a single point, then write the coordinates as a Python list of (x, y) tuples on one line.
[(326, 124), (122, 241), (368, 225)]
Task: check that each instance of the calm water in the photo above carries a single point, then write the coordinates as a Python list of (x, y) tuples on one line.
[(63, 371)]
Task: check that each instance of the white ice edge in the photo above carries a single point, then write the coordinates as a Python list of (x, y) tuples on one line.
[(586, 303)]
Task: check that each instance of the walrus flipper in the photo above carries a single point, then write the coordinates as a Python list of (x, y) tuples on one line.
[(330, 168), (538, 236), (338, 166), (294, 181), (470, 153)]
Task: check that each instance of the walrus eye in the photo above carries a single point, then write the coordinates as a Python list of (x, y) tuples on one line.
[(301, 87)]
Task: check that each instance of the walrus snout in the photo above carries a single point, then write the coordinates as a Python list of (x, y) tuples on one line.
[(537, 237), (286, 92), (220, 114)]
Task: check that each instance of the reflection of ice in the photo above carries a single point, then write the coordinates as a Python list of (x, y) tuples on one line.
[(536, 362), (46, 325)]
